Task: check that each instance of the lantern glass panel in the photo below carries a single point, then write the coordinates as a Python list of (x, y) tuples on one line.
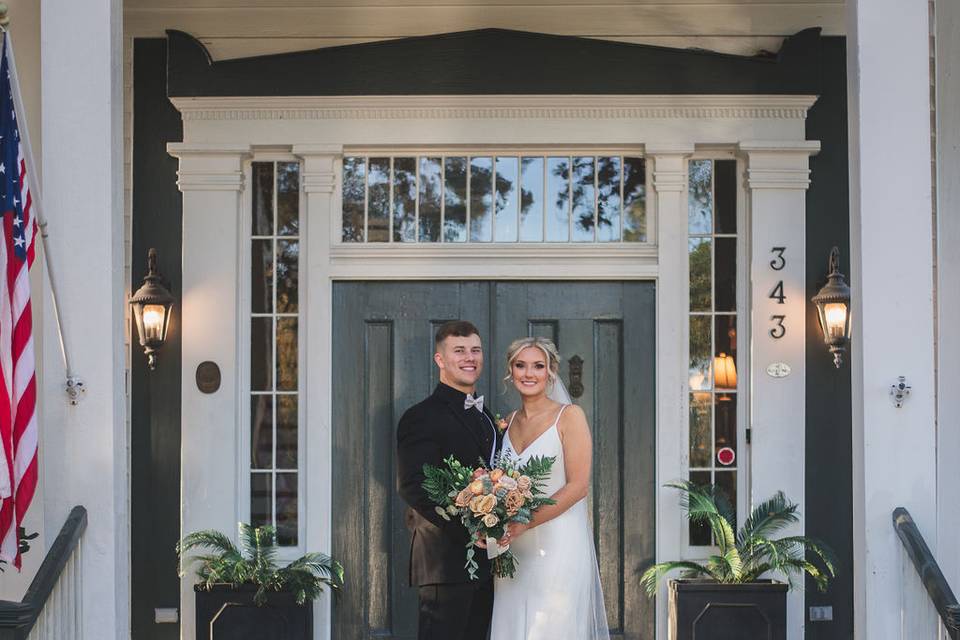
[(153, 322)]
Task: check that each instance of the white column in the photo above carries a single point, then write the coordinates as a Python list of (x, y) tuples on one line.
[(892, 285), (948, 293), (673, 306), (211, 179), (321, 187), (85, 447), (777, 177)]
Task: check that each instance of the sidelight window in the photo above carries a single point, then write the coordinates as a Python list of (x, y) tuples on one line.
[(274, 356), (714, 368), (494, 198)]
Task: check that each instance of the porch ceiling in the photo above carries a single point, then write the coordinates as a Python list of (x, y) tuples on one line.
[(241, 28)]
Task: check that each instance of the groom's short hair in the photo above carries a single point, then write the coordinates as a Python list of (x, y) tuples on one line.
[(457, 328)]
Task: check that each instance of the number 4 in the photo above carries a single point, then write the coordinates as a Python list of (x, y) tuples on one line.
[(777, 293)]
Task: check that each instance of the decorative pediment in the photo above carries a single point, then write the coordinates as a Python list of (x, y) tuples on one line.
[(495, 62)]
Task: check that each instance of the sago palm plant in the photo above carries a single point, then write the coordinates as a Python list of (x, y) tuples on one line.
[(254, 562), (745, 555)]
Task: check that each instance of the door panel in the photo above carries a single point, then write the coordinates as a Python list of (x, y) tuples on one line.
[(383, 346)]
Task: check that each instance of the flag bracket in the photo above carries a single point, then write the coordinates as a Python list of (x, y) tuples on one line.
[(75, 390)]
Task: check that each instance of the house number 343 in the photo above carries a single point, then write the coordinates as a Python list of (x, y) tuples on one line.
[(778, 330)]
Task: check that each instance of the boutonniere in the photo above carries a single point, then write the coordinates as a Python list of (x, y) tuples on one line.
[(501, 423)]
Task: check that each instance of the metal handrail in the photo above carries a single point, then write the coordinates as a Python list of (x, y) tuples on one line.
[(17, 618), (929, 571)]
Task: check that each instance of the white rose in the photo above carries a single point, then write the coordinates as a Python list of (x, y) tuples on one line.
[(490, 520)]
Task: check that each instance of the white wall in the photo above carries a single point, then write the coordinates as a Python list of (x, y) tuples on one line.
[(86, 446), (892, 283)]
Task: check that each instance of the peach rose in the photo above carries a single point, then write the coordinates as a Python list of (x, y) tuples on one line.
[(476, 487), (524, 483), (486, 504), (463, 498), (513, 502), (479, 472), (474, 504), (490, 520), (507, 483), (496, 474)]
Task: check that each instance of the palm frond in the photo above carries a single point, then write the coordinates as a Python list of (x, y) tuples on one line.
[(651, 577), (768, 517)]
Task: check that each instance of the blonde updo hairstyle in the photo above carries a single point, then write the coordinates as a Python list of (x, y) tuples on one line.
[(549, 352)]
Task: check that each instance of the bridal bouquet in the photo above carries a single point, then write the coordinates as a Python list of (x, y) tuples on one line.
[(486, 500)]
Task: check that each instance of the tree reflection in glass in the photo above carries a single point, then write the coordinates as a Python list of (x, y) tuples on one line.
[(608, 198), (481, 199), (378, 200), (404, 199), (531, 199), (634, 200), (507, 204), (430, 192), (700, 209), (558, 199), (455, 200), (354, 192), (584, 210)]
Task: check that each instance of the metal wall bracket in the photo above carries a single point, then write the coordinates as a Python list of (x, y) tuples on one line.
[(899, 391), (75, 389)]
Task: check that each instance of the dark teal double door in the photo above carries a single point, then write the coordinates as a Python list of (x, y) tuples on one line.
[(382, 364)]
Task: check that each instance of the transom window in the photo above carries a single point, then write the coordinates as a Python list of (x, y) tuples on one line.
[(712, 243), (494, 198)]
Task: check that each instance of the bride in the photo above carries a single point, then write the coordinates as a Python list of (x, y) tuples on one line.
[(556, 593)]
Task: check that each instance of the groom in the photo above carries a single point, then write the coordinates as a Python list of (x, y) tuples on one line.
[(451, 421)]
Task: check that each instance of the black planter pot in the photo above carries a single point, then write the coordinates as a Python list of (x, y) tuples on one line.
[(224, 613), (706, 610)]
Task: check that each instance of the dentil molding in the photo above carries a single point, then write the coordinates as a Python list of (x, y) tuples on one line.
[(682, 107)]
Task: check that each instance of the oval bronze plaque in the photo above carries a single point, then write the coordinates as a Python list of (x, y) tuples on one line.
[(208, 376)]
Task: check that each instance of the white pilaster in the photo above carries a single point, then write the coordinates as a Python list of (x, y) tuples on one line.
[(892, 286), (321, 186), (673, 306), (211, 179), (777, 179), (85, 458)]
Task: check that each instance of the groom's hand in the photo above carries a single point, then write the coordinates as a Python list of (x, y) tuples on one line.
[(481, 542)]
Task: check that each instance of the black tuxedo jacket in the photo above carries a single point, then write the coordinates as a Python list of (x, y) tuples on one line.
[(429, 432)]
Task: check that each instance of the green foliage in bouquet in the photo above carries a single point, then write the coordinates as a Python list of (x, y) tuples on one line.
[(509, 492), (254, 562), (745, 555)]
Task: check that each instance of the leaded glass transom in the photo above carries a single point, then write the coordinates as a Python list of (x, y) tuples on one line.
[(494, 198)]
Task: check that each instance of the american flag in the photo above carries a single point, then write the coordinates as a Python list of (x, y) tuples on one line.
[(18, 392)]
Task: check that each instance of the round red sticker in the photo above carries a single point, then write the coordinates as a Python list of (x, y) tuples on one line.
[(726, 456)]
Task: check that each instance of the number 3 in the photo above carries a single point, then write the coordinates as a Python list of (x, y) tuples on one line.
[(779, 262), (778, 331)]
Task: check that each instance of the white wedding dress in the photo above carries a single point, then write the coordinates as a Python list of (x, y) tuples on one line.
[(555, 593)]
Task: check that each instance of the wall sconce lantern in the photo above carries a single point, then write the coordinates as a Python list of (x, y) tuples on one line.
[(151, 310), (833, 309)]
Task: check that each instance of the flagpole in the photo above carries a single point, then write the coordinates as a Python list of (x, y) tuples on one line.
[(74, 385)]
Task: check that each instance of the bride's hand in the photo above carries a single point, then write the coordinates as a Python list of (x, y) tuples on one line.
[(481, 542), (514, 531)]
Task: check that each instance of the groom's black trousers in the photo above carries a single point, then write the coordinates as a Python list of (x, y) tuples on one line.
[(456, 611)]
